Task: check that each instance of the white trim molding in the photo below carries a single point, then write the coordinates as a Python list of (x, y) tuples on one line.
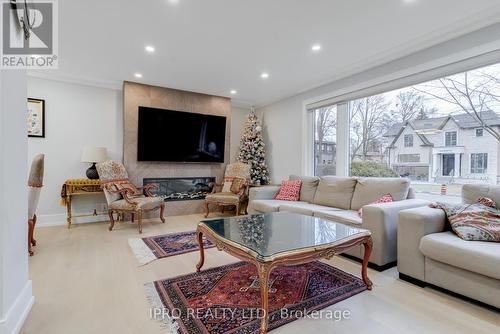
[(14, 319)]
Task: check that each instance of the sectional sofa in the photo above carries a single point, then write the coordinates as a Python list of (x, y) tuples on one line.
[(431, 254), (339, 199)]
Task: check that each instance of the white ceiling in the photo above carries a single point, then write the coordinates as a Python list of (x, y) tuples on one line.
[(213, 46)]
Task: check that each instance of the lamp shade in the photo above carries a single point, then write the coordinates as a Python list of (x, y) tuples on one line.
[(94, 154)]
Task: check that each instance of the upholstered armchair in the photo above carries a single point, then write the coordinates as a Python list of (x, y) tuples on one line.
[(124, 197), (232, 191), (35, 184)]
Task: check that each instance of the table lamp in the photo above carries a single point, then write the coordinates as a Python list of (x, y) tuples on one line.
[(93, 155)]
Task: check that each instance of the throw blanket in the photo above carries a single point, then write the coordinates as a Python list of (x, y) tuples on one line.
[(473, 222)]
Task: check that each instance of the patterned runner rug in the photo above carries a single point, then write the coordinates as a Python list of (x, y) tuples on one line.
[(226, 299), (157, 247)]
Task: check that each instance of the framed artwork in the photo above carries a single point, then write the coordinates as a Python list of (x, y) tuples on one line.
[(36, 118)]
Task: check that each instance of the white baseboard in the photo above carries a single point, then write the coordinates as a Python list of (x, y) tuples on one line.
[(15, 317), (60, 219)]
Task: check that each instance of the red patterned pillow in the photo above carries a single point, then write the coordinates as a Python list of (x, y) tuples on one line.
[(289, 190), (387, 198), (487, 202)]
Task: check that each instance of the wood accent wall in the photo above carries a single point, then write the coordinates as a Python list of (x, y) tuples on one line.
[(135, 95)]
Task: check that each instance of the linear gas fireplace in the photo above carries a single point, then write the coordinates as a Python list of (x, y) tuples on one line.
[(181, 188)]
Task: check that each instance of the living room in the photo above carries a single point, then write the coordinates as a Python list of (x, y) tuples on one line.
[(247, 167)]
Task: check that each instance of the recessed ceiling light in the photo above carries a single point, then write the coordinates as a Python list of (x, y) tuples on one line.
[(150, 48), (264, 75), (138, 75), (409, 1), (174, 2), (233, 91), (316, 47)]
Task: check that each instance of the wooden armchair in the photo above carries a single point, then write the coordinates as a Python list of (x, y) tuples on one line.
[(232, 191), (124, 197)]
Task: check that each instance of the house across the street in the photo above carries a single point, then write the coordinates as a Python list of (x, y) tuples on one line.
[(444, 149)]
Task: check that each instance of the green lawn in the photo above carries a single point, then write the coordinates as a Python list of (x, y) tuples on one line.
[(451, 189)]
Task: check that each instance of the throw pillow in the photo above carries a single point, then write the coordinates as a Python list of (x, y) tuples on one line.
[(289, 190), (387, 198), (472, 222), (487, 201), (226, 186)]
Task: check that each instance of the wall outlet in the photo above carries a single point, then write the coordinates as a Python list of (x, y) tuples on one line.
[(104, 207)]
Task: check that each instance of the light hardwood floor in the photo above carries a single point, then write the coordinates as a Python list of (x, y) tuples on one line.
[(86, 280)]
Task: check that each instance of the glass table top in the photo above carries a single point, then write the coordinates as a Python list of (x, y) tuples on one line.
[(272, 233)]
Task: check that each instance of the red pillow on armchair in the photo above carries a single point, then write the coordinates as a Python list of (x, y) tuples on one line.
[(289, 190)]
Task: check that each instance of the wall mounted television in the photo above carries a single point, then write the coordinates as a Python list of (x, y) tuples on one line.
[(176, 136)]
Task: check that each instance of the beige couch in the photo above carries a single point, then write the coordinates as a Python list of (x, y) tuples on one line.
[(428, 253), (339, 199)]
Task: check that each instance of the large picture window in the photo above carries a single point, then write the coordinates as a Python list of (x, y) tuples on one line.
[(415, 132), (325, 141)]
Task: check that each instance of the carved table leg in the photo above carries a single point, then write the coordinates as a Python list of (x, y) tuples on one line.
[(68, 208), (139, 220), (264, 273), (202, 251), (364, 270)]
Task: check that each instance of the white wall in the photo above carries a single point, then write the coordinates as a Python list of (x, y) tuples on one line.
[(284, 121), (15, 289), (76, 115), (238, 119)]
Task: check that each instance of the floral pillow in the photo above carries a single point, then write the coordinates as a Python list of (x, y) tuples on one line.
[(289, 190), (387, 198), (472, 222)]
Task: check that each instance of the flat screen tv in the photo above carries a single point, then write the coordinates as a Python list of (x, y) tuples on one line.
[(176, 136)]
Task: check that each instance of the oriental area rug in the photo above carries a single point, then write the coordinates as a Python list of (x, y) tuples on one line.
[(152, 248), (226, 299)]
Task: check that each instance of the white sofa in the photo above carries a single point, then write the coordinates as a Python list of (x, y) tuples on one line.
[(430, 254), (339, 199)]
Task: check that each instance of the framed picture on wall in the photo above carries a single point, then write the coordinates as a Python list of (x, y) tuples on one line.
[(36, 118)]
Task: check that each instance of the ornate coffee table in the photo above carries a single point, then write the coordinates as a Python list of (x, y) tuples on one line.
[(281, 239)]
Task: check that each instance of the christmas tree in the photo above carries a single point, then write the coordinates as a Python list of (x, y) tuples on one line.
[(252, 150)]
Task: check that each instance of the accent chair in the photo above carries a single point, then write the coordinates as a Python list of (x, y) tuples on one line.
[(35, 184), (124, 197), (232, 191)]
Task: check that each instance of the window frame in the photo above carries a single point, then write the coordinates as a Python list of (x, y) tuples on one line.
[(410, 142), (413, 75), (476, 169), (482, 132), (408, 160), (456, 138)]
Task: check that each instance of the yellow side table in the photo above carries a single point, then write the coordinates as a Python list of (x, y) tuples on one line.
[(77, 187)]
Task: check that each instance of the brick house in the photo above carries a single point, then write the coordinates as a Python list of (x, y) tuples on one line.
[(444, 149)]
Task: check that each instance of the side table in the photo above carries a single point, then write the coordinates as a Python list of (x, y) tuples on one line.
[(77, 187)]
